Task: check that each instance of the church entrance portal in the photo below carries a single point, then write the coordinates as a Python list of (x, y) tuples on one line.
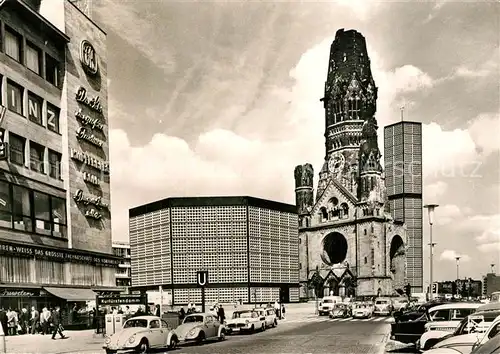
[(334, 248), (397, 259)]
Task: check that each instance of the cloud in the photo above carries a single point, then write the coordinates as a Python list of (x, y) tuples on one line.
[(485, 69), (484, 131), (487, 230), (451, 255), (432, 191), (447, 214)]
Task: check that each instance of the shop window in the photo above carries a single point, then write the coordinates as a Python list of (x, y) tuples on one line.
[(17, 145), (21, 208), (5, 205), (51, 70), (53, 118), (13, 44), (42, 213), (33, 55), (58, 206), (35, 108), (14, 97), (37, 153)]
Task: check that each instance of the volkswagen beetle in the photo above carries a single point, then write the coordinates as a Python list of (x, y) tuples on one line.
[(198, 328), (139, 334)]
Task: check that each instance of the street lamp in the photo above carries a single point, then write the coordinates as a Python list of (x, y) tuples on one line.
[(430, 208), (458, 266)]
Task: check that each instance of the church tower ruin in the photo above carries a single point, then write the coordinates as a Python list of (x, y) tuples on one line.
[(348, 240)]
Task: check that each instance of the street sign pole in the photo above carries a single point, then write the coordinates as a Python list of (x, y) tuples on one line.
[(202, 281)]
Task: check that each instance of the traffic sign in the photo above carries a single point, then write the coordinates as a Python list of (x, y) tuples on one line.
[(202, 277), (434, 288)]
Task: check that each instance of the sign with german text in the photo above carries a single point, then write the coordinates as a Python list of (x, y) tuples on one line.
[(202, 277), (131, 299)]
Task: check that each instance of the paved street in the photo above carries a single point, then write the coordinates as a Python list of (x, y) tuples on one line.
[(311, 334)]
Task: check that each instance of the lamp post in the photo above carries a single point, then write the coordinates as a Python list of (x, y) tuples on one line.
[(458, 266), (430, 208)]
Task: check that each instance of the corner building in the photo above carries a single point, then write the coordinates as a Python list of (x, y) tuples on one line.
[(349, 243), (249, 247), (55, 227)]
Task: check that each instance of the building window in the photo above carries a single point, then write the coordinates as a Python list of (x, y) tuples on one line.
[(55, 164), (364, 231), (21, 209), (43, 223), (53, 118), (33, 55), (366, 260), (58, 206), (373, 256), (51, 70), (35, 108), (14, 97), (16, 146), (13, 44), (5, 205), (37, 153)]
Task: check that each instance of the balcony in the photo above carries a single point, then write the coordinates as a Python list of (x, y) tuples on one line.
[(122, 275)]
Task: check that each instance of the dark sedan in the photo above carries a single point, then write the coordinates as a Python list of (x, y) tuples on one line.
[(414, 313)]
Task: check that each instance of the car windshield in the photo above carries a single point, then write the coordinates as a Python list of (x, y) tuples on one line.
[(246, 314), (381, 302), (328, 301), (136, 323), (195, 318), (360, 306)]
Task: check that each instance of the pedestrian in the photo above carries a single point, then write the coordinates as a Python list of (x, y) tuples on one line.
[(3, 320), (24, 319), (283, 311), (56, 321), (35, 320), (277, 309), (221, 314), (12, 322), (45, 320)]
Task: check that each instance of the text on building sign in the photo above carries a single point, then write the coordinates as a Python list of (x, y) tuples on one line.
[(16, 293), (92, 213), (88, 200), (56, 255), (88, 57), (90, 178), (83, 134), (93, 103), (88, 160), (94, 123)]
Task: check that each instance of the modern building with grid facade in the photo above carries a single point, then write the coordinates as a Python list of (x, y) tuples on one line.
[(403, 179), (55, 234), (249, 246)]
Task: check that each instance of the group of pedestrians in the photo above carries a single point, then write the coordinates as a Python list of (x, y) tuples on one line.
[(15, 322)]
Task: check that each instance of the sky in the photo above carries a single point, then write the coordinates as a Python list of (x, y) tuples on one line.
[(222, 98)]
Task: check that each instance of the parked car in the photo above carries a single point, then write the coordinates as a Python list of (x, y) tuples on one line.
[(470, 331), (362, 310), (140, 334), (399, 303), (269, 315), (445, 321), (327, 304), (340, 311), (411, 331), (246, 321), (198, 328), (382, 307), (491, 346), (415, 312)]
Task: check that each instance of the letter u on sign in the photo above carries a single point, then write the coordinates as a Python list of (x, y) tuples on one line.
[(202, 277)]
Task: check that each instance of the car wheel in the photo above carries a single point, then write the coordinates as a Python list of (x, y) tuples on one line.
[(143, 346), (173, 343), (109, 351), (252, 329), (222, 335), (263, 328), (429, 344), (275, 322), (201, 337)]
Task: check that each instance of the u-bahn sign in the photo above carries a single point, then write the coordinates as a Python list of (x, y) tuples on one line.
[(202, 277)]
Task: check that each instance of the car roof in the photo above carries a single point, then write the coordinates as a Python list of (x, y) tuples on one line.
[(149, 318), (456, 305), (489, 307)]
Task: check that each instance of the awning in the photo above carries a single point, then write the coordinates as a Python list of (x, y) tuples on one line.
[(72, 294)]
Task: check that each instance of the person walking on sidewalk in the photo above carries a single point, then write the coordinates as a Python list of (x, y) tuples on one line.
[(56, 321), (35, 320)]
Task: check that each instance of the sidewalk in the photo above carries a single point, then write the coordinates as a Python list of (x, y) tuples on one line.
[(89, 342)]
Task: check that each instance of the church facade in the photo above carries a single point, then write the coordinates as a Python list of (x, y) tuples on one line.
[(349, 244)]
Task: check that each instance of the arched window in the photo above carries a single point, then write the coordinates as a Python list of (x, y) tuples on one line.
[(372, 229), (364, 231), (323, 214), (366, 260), (344, 211)]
